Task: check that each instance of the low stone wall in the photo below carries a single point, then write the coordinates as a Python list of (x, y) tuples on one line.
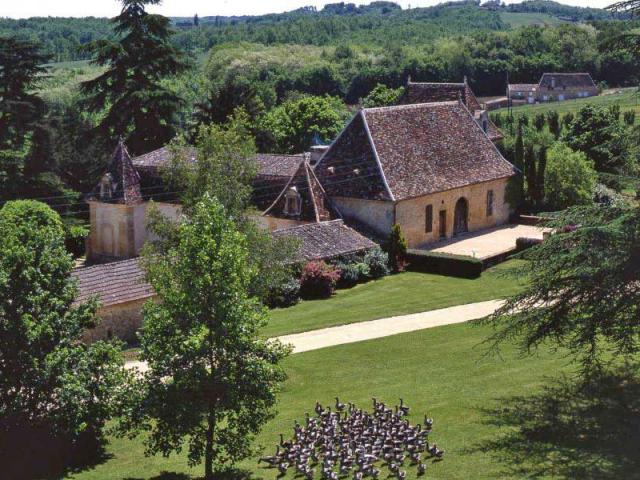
[(117, 321)]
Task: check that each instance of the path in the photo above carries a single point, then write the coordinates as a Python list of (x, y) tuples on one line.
[(384, 327)]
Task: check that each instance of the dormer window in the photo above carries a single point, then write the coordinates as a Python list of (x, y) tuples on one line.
[(106, 187), (331, 170), (292, 203)]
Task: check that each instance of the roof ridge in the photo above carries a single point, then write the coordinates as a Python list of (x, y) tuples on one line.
[(409, 106), (308, 225)]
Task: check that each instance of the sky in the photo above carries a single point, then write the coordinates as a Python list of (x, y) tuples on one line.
[(185, 8)]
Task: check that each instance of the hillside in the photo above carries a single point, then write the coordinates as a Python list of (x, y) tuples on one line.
[(379, 23)]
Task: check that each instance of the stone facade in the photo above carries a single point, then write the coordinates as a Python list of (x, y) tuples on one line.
[(376, 214), (411, 214), (117, 321), (120, 230)]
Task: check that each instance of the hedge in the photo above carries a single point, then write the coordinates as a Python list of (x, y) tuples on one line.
[(444, 264)]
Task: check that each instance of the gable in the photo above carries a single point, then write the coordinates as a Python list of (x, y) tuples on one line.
[(350, 168)]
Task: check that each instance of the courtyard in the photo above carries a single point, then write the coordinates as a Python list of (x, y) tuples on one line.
[(488, 243)]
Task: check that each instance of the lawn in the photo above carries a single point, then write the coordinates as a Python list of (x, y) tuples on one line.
[(394, 295), (627, 98), (478, 404)]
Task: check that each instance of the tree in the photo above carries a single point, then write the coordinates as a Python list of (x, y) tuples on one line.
[(225, 167), (196, 20), (382, 96), (539, 121), (515, 186), (553, 119), (569, 178), (582, 288), (540, 173), (530, 172), (295, 125), (21, 110), (56, 392), (396, 248), (212, 382), (598, 133), (139, 106)]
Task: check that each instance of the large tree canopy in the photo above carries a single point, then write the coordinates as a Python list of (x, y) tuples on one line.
[(583, 287), (139, 105)]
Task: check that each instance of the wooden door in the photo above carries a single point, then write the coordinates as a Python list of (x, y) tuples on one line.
[(443, 224)]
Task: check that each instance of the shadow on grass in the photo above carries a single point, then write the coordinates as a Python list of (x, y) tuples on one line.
[(586, 429), (229, 474)]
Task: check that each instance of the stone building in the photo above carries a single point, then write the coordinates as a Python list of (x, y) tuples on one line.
[(429, 167), (553, 87)]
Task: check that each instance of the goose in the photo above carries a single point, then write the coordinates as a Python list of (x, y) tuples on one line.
[(339, 406), (422, 468), (404, 408), (283, 467)]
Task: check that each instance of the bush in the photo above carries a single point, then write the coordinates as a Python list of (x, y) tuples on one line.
[(569, 178), (397, 249), (285, 295), (318, 280), (378, 263), (75, 237), (352, 273), (444, 264)]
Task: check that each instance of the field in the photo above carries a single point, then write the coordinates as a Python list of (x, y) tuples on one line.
[(516, 19), (478, 402), (394, 295), (627, 98)]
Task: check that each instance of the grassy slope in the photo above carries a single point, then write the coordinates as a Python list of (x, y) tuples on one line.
[(395, 295), (517, 19), (627, 98), (441, 371)]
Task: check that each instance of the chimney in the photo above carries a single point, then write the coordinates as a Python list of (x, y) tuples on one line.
[(316, 153)]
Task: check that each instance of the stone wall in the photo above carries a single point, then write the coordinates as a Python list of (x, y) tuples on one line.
[(377, 215), (117, 321), (411, 214)]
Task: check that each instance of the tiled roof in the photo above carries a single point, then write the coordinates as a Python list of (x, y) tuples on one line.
[(326, 240), (523, 87), (315, 206), (160, 158), (274, 165), (113, 283), (121, 182), (421, 149), (429, 92), (567, 80)]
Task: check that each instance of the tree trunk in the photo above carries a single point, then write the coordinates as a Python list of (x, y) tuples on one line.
[(208, 453)]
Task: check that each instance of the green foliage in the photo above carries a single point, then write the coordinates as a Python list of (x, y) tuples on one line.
[(295, 125), (212, 383), (382, 96), (139, 107), (553, 119), (629, 118), (378, 262), (570, 178), (444, 264), (579, 294), (56, 392), (539, 121), (599, 134), (396, 248), (352, 273)]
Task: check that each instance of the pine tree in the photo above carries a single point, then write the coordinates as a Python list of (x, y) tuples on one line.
[(396, 247), (553, 119), (140, 108), (530, 172), (196, 20), (542, 166)]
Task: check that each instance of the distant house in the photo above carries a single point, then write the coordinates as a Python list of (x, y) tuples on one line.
[(554, 87), (430, 167)]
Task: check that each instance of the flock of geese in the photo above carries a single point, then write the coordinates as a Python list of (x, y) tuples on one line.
[(348, 441)]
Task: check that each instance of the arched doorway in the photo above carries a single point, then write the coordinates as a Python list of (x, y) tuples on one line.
[(461, 217)]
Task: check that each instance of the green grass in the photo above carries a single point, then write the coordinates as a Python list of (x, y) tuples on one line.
[(442, 372), (394, 295), (517, 19), (627, 98)]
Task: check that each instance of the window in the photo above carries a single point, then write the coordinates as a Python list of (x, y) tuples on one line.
[(106, 187), (292, 202), (489, 203), (428, 221)]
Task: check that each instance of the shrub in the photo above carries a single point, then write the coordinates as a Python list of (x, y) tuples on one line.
[(352, 273), (444, 264), (285, 295), (318, 280), (397, 249), (569, 179), (378, 263)]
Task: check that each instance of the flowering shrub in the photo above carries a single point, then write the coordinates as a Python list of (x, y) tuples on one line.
[(318, 280)]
